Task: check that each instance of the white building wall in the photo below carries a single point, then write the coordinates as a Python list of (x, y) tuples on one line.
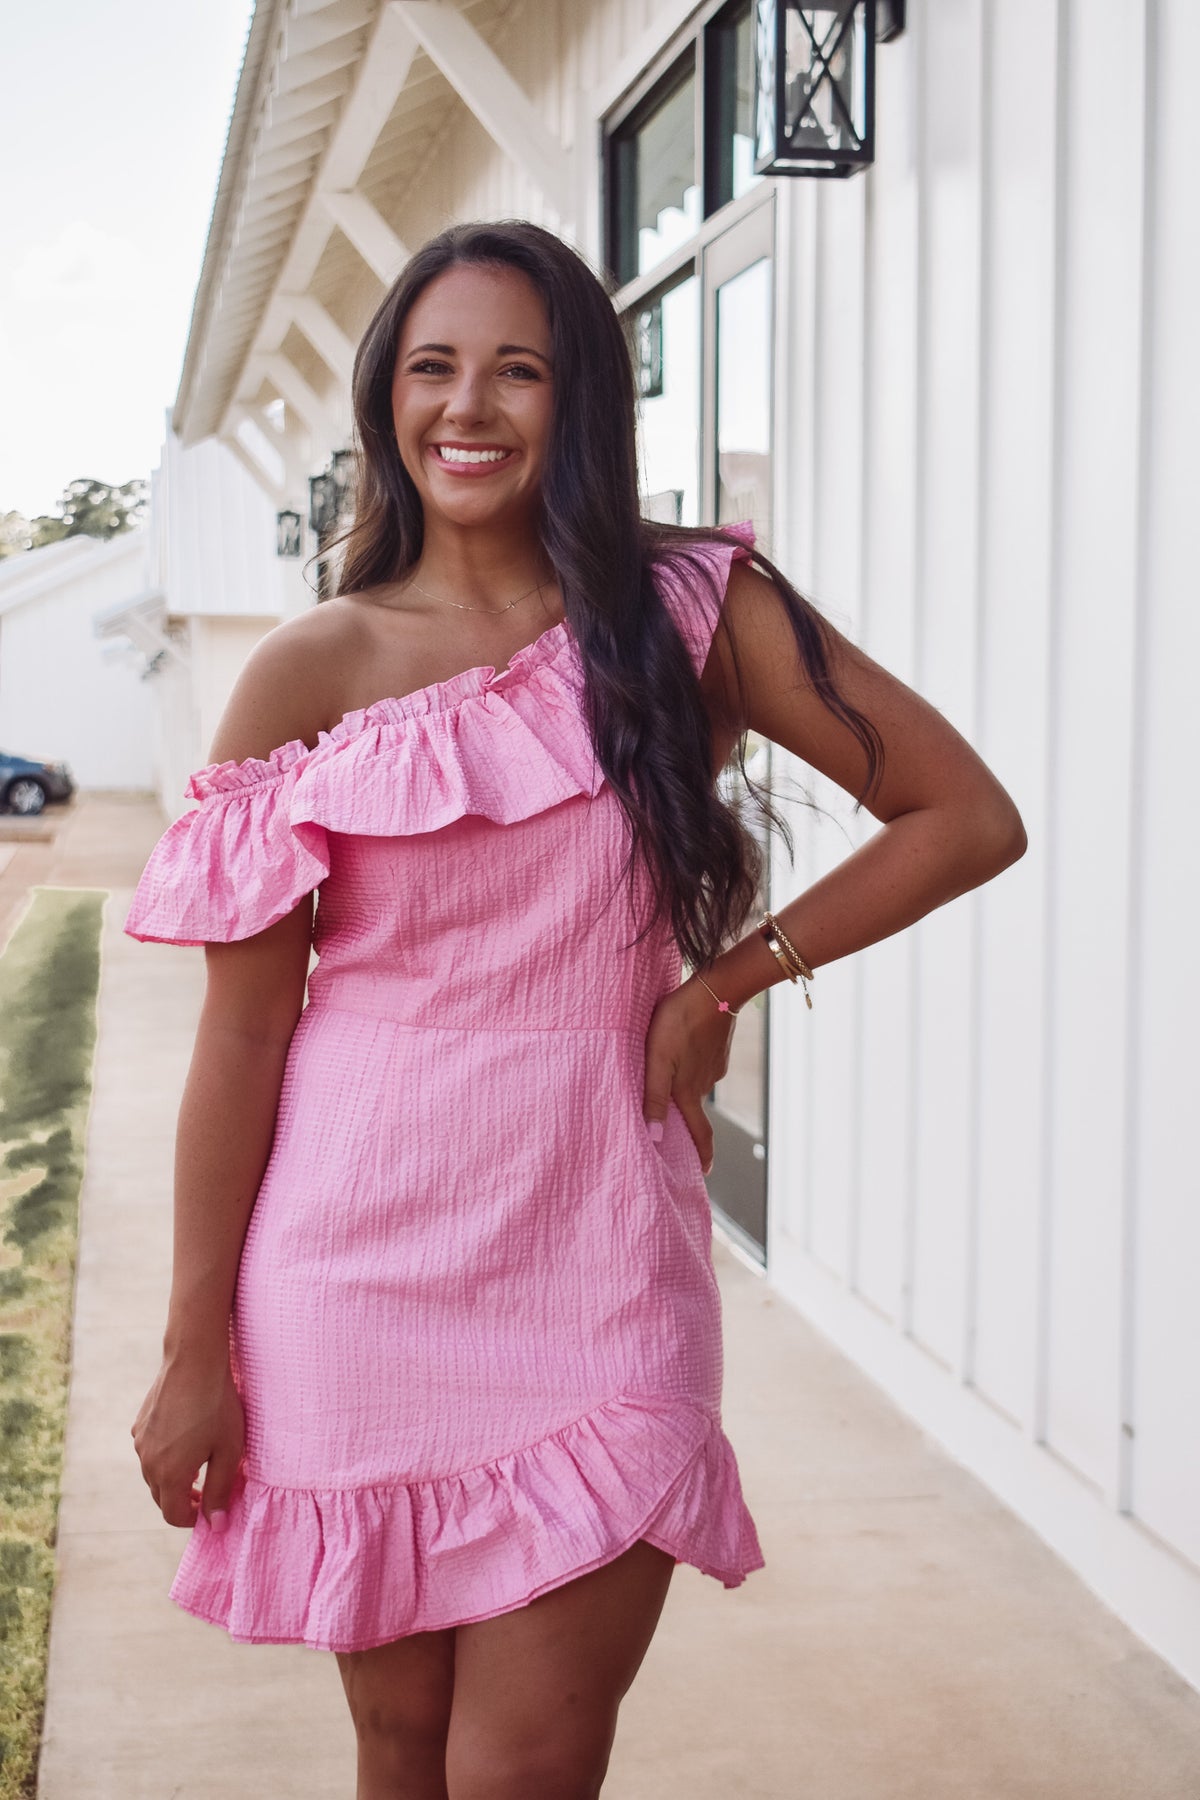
[(213, 546), (219, 649), (984, 1194), (65, 694), (218, 550)]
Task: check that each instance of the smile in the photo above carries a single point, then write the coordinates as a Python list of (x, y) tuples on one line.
[(454, 457)]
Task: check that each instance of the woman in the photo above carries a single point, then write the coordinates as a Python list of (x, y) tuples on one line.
[(443, 1324)]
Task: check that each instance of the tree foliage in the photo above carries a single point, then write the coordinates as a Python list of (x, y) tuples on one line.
[(16, 533), (90, 508)]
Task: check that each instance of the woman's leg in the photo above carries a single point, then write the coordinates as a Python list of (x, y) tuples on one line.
[(399, 1697), (536, 1691)]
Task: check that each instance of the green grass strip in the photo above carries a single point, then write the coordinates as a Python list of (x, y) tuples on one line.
[(49, 982)]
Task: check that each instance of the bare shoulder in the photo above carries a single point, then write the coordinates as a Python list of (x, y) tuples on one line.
[(291, 684), (753, 634)]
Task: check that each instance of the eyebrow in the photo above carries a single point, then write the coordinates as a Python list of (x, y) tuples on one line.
[(501, 350)]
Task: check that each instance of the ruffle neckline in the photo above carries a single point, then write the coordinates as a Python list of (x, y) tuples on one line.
[(498, 744), (352, 1568), (435, 697)]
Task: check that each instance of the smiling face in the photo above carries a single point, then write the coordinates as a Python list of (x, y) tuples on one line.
[(472, 396)]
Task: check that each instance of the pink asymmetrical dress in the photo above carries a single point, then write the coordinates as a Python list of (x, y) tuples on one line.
[(476, 1330)]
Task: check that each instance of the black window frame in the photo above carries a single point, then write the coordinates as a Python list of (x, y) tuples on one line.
[(692, 52)]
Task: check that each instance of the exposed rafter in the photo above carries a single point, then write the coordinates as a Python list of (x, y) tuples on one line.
[(257, 471), (483, 83), (379, 81), (369, 232), (325, 335), (296, 393)]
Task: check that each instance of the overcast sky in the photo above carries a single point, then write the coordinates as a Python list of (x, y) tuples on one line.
[(112, 128)]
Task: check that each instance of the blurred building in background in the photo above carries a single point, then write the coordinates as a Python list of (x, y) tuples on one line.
[(956, 392)]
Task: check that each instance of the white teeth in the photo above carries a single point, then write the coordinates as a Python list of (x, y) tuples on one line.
[(470, 456)]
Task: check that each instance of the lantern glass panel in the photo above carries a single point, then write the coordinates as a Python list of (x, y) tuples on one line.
[(825, 96), (322, 504), (657, 197), (287, 534)]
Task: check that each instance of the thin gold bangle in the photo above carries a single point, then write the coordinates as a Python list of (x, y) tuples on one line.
[(722, 1005), (775, 946)]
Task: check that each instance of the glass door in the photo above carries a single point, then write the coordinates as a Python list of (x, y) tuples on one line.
[(736, 478)]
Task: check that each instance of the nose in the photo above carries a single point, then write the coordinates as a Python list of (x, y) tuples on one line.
[(467, 403)]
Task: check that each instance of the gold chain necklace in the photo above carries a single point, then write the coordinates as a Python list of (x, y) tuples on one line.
[(494, 610)]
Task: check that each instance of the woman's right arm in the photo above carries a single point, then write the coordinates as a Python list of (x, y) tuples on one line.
[(192, 1414)]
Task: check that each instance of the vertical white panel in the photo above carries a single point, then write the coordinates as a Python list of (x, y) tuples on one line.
[(1090, 816), (890, 408), (946, 648), (838, 531), (1166, 1190), (1012, 726), (790, 1187)]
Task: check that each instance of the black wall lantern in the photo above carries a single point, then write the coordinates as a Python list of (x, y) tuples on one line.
[(287, 534), (814, 84), (322, 504)]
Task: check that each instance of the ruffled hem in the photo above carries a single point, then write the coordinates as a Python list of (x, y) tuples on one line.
[(349, 1569), (503, 745)]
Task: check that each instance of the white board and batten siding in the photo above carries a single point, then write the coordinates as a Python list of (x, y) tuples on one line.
[(986, 1193), (216, 530), (214, 556)]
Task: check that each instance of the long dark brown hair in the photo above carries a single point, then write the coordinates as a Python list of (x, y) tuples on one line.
[(647, 717)]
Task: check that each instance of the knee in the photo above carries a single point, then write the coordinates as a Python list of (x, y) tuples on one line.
[(556, 1767), (410, 1713), (405, 1727)]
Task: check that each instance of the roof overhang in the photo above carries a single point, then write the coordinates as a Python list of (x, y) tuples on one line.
[(337, 107)]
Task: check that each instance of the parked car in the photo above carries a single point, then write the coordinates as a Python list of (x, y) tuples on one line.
[(26, 786)]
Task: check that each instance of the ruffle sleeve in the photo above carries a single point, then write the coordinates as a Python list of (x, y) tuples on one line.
[(693, 585), (236, 863)]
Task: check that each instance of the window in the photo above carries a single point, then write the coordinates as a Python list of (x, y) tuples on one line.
[(655, 192), (729, 70), (672, 164), (667, 337)]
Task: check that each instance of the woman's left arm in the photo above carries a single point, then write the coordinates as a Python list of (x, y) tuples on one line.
[(947, 827), (948, 824)]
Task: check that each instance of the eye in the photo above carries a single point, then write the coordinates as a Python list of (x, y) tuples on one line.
[(522, 370), (429, 365)]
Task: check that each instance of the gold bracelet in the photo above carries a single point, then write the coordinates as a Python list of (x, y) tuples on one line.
[(775, 946), (722, 1005), (788, 945), (786, 953)]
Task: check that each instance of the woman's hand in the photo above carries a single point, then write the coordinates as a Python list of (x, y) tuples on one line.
[(687, 1052), (191, 1415)]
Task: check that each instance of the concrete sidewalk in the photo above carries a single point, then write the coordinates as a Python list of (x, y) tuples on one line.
[(909, 1639)]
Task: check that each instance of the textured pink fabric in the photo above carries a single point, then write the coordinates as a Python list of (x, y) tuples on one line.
[(476, 1330)]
